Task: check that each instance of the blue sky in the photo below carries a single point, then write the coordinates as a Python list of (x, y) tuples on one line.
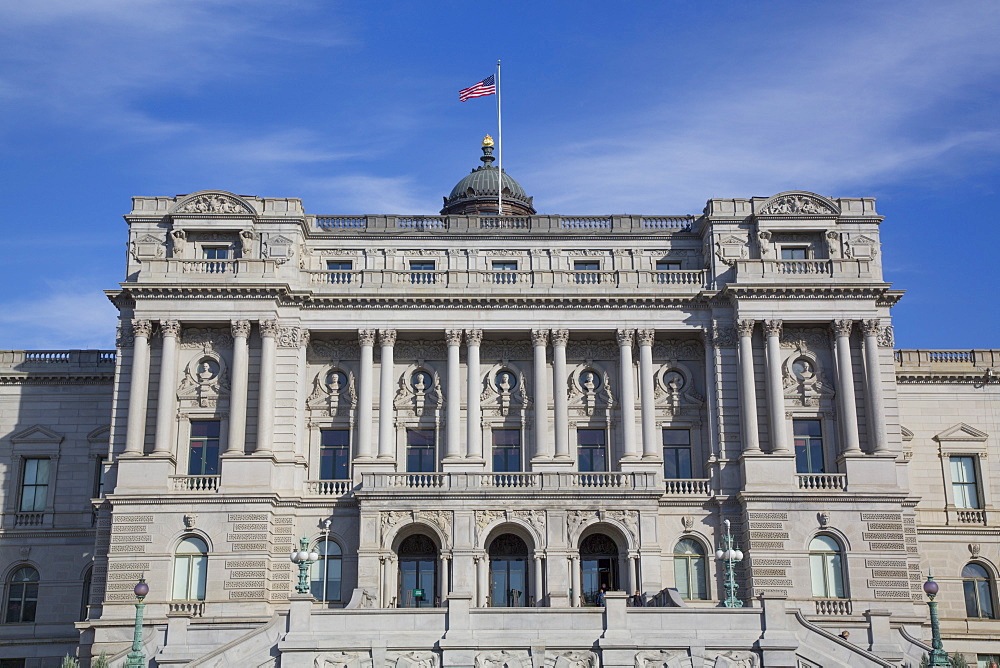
[(636, 107)]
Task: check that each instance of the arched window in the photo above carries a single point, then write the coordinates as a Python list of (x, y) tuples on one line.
[(190, 570), (85, 601), (598, 566), (691, 570), (978, 594), (826, 568), (326, 572), (508, 572), (22, 595), (418, 559)]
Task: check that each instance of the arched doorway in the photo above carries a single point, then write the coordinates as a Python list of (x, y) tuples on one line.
[(508, 572), (418, 559), (598, 566)]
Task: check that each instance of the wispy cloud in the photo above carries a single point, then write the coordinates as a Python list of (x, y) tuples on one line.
[(68, 315), (365, 193)]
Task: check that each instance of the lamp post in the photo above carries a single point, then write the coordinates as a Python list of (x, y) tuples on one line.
[(938, 656), (136, 659), (730, 556), (303, 557)]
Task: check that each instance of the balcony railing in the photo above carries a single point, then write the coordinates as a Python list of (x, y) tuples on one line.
[(833, 606), (195, 483), (208, 266), (688, 486), (529, 482), (29, 519), (510, 480), (186, 608), (329, 487), (822, 481), (971, 516), (804, 267)]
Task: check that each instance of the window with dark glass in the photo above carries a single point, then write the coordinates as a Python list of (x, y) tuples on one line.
[(85, 601), (11, 663), (808, 436), (420, 451), (794, 253), (667, 265), (504, 271), (340, 270), (691, 570), (421, 265), (34, 485), (203, 449), (592, 450), (963, 482), (418, 560), (420, 271), (587, 271), (98, 477), (506, 450), (676, 453), (325, 573), (978, 592), (334, 454), (215, 252), (598, 567), (22, 595), (508, 572)]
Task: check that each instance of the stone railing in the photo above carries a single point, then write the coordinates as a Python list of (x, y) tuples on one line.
[(822, 481), (60, 361), (29, 519), (195, 483), (329, 487), (186, 608), (934, 359), (208, 266), (833, 606), (688, 486), (805, 271), (804, 267), (512, 482), (554, 224), (971, 516)]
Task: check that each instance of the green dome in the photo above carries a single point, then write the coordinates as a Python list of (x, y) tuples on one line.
[(476, 193), (483, 181)]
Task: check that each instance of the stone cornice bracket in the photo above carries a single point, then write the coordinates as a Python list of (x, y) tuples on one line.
[(142, 328), (626, 337), (772, 327), (560, 337), (871, 327), (646, 336), (366, 337), (473, 337), (170, 328), (269, 328), (745, 327), (843, 327), (453, 337), (539, 337), (240, 328), (387, 337)]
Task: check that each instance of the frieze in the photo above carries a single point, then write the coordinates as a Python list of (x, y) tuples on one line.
[(884, 526), (196, 338), (125, 549), (880, 535), (324, 351), (589, 350), (247, 517), (256, 573), (724, 336), (280, 577), (246, 563), (121, 586), (770, 572), (126, 576), (420, 350), (771, 562), (754, 515), (886, 547), (678, 349), (253, 526), (570, 659), (576, 519), (243, 584), (131, 538), (772, 582), (282, 530), (249, 547), (128, 566), (503, 659), (246, 594), (417, 659), (785, 205), (892, 594), (534, 518), (872, 517), (805, 338), (505, 351), (245, 536), (129, 528), (767, 545), (214, 203), (888, 584), (484, 518)]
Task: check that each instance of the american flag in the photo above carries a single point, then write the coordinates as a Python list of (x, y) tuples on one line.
[(485, 87)]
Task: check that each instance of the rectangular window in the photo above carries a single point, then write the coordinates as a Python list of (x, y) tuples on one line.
[(420, 451), (99, 478), (676, 453), (963, 482), (506, 451), (667, 265), (794, 253), (417, 269), (334, 454), (340, 271), (215, 252), (203, 450), (34, 485), (808, 436), (504, 272), (587, 271), (982, 661), (592, 450)]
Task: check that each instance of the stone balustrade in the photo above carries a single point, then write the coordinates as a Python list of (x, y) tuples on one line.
[(688, 487), (556, 223), (805, 271), (834, 606), (195, 483), (512, 482), (329, 487), (822, 481), (971, 516)]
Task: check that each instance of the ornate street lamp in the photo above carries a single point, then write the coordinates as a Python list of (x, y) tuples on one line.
[(303, 557), (136, 659), (938, 656), (730, 556)]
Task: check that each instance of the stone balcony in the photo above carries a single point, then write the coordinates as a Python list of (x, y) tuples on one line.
[(804, 272)]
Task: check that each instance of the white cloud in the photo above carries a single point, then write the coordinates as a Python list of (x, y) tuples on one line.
[(365, 193), (70, 315)]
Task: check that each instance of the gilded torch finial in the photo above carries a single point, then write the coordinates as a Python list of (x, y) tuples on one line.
[(487, 141)]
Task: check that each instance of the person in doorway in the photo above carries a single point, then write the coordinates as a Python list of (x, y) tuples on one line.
[(600, 596), (637, 601)]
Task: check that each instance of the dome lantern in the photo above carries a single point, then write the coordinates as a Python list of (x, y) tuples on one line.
[(476, 194)]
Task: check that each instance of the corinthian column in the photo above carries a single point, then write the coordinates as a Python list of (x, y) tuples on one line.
[(539, 340), (135, 434), (650, 444), (560, 337), (265, 391), (775, 388), (748, 388), (366, 340), (236, 440), (845, 386), (386, 411), (627, 382), (473, 414), (166, 397), (876, 401), (453, 405)]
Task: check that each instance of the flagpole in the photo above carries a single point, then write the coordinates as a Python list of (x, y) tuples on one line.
[(499, 149)]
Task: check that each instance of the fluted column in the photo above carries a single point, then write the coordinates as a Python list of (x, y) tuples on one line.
[(627, 394), (847, 407), (560, 337), (647, 399), (775, 387), (386, 393), (166, 396), (539, 592), (265, 392), (135, 434), (366, 383), (473, 414), (539, 340), (453, 405), (236, 440), (748, 387), (876, 400)]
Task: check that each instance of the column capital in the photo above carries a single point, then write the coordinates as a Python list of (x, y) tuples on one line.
[(871, 327), (453, 337), (170, 328), (772, 327), (626, 337), (645, 336), (240, 328), (387, 337), (269, 328), (745, 326), (539, 337), (843, 327), (366, 337), (473, 337), (142, 328), (560, 337)]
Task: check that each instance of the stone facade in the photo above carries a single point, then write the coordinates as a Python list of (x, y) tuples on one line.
[(489, 418)]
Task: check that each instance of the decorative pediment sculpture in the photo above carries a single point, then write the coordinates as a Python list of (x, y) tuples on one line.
[(861, 247), (803, 380), (589, 389), (503, 659), (419, 389), (334, 391), (663, 659), (504, 387), (214, 203), (798, 204), (731, 248), (205, 381), (673, 390)]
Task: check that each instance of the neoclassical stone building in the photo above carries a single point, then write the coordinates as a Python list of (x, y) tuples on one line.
[(494, 430)]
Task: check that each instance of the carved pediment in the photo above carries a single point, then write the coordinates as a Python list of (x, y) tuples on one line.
[(36, 434), (961, 432), (799, 204), (213, 202)]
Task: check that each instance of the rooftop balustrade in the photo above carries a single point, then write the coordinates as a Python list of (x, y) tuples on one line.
[(556, 224)]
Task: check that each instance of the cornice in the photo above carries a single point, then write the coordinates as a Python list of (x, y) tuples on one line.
[(842, 497), (57, 378), (958, 531), (933, 378), (498, 303), (881, 293)]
